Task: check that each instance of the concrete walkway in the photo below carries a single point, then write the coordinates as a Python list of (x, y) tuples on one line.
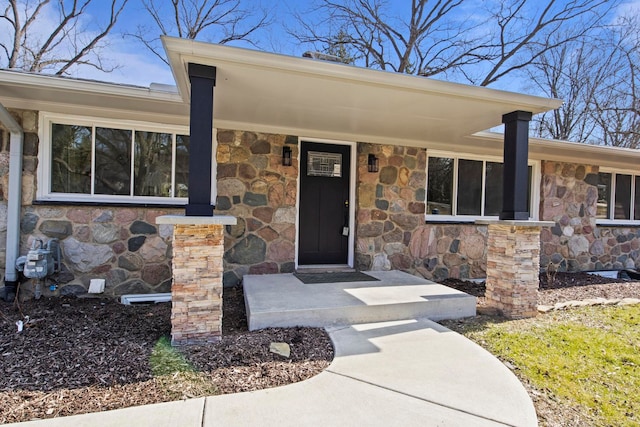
[(405, 373)]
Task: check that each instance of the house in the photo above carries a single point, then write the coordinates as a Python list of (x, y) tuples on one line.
[(321, 163)]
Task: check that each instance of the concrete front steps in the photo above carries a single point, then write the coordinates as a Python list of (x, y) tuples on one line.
[(281, 300)]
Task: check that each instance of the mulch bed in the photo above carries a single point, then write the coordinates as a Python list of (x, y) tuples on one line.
[(561, 287), (84, 355)]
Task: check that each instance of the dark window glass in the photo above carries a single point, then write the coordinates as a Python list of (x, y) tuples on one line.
[(493, 189), (113, 161), (604, 195), (440, 185), (152, 171), (623, 197), (469, 187), (182, 166), (70, 159)]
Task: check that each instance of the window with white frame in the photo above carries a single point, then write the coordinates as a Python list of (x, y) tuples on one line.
[(618, 196), (466, 187), (113, 161)]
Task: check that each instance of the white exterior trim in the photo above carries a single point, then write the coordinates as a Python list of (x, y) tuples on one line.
[(536, 177), (43, 191), (352, 196)]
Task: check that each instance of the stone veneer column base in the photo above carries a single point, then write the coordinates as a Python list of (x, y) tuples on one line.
[(513, 266), (196, 291)]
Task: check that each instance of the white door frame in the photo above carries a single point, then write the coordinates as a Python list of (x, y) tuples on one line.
[(352, 194)]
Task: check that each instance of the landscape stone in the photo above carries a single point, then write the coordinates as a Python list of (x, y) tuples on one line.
[(84, 257), (388, 175), (285, 215), (141, 227), (105, 216), (28, 222), (136, 243), (114, 277), (154, 249), (254, 199), (238, 229), (231, 187), (261, 147), (247, 251), (56, 229), (105, 233), (155, 274), (223, 203), (130, 261)]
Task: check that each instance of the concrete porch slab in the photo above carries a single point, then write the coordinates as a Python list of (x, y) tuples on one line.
[(281, 300)]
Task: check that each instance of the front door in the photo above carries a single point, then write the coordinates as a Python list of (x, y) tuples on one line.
[(324, 204)]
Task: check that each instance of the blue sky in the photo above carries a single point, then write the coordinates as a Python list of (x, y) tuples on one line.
[(138, 66)]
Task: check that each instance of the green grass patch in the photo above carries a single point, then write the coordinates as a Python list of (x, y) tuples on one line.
[(167, 360), (589, 357), (176, 376)]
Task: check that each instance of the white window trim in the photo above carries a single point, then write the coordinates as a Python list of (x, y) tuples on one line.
[(535, 186), (620, 222), (43, 192)]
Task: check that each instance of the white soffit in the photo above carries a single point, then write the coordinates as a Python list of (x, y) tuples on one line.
[(270, 92), (564, 151)]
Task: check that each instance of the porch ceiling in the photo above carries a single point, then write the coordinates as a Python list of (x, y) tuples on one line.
[(305, 97)]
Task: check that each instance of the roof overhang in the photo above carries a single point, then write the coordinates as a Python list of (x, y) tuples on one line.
[(305, 97), (491, 143), (86, 97)]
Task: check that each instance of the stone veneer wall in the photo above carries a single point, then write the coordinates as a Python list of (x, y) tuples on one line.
[(390, 207), (254, 187), (391, 231), (576, 243), (121, 245)]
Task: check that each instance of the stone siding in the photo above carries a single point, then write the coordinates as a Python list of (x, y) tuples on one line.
[(569, 198), (121, 245), (260, 192), (390, 208)]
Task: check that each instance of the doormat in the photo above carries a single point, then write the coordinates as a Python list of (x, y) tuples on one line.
[(352, 276)]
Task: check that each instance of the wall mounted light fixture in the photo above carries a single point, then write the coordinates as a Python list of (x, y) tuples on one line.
[(372, 163), (286, 156)]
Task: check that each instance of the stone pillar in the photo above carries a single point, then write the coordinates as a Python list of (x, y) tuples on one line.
[(196, 291), (513, 266)]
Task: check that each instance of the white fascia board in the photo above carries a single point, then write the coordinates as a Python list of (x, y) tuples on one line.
[(572, 152), (75, 85), (181, 51)]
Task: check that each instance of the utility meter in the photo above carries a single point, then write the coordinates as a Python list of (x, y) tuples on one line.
[(41, 262)]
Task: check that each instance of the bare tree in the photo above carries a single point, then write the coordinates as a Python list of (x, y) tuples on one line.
[(617, 110), (449, 38), (574, 73), (217, 21), (598, 80), (426, 41), (31, 46)]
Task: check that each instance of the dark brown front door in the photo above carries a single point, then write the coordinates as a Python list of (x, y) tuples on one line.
[(324, 204)]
